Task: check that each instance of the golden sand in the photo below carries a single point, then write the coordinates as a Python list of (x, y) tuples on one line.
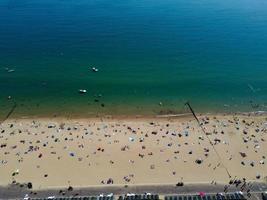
[(60, 152)]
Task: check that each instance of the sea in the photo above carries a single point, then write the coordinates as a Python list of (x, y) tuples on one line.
[(150, 57)]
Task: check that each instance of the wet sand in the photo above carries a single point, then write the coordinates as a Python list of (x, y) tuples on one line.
[(61, 152)]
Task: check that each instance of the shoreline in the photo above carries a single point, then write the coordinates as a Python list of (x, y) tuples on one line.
[(139, 116), (75, 113)]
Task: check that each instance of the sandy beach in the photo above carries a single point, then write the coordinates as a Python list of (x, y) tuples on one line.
[(61, 152)]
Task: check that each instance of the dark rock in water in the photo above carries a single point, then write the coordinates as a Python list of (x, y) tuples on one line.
[(29, 185), (102, 105)]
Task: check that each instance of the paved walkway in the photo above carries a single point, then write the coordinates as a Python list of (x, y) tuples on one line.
[(15, 192)]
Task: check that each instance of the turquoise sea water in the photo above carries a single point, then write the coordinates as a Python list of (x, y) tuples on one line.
[(212, 53)]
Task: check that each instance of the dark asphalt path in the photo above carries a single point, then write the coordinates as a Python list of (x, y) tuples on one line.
[(16, 192)]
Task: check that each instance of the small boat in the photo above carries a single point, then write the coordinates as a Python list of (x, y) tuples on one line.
[(94, 69), (82, 91), (11, 70)]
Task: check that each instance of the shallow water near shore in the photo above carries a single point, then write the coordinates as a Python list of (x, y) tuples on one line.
[(211, 53)]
